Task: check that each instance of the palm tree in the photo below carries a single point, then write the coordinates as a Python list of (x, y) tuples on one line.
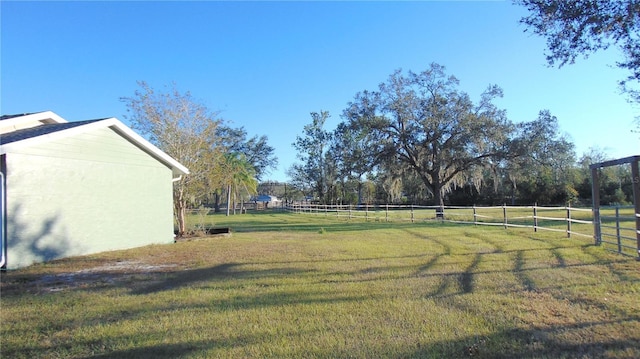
[(240, 178)]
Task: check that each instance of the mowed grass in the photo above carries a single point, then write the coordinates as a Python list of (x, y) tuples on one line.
[(300, 286)]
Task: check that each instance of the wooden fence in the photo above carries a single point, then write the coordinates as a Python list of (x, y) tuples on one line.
[(617, 223)]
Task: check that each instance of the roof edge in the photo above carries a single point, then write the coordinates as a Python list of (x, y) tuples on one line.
[(113, 123), (146, 145), (36, 116)]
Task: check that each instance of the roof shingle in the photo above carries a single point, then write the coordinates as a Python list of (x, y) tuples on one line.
[(41, 130), (7, 117)]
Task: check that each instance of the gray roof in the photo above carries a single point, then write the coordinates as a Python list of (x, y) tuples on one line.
[(6, 117), (41, 130)]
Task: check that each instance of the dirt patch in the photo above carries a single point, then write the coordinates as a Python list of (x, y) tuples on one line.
[(105, 275), (127, 266)]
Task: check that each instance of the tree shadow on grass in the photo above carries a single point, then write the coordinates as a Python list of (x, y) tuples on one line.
[(463, 279), (530, 343), (221, 272), (534, 342), (199, 348), (466, 278), (314, 224), (519, 271), (168, 351)]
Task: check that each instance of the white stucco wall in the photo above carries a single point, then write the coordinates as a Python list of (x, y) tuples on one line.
[(85, 194)]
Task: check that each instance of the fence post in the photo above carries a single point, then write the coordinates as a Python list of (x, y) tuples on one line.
[(349, 211), (635, 174), (386, 213), (504, 214), (475, 221), (568, 220), (412, 213), (535, 217), (618, 228), (366, 212), (595, 195)]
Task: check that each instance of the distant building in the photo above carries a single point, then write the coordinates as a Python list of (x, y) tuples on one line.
[(75, 188), (266, 200)]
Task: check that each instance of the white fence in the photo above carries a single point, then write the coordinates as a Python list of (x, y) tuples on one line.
[(617, 223)]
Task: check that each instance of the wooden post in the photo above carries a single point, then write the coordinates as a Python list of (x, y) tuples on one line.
[(635, 174), (475, 214), (569, 220), (504, 214), (412, 213), (595, 194), (366, 213), (535, 217), (386, 213), (618, 229)]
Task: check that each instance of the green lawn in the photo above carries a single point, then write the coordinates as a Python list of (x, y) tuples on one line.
[(301, 286)]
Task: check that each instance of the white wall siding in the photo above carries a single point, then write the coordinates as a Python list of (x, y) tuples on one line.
[(84, 194)]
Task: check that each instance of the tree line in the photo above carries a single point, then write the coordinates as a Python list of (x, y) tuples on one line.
[(418, 138)]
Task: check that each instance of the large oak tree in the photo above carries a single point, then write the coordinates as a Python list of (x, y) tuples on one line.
[(423, 122)]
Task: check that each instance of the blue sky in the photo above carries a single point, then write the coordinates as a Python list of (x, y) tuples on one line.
[(267, 65)]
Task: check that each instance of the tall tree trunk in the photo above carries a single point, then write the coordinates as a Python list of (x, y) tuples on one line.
[(234, 202), (216, 202), (228, 199), (438, 198), (180, 207)]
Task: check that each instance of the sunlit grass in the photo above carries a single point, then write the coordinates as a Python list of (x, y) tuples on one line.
[(298, 286)]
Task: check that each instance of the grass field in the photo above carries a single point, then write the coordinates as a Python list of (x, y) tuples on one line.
[(299, 286)]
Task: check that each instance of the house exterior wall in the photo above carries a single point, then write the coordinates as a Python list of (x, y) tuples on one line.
[(84, 194)]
